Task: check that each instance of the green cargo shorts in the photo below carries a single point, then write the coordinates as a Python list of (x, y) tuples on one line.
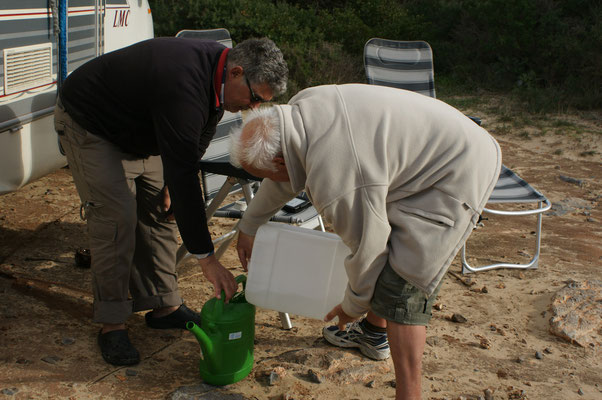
[(399, 301)]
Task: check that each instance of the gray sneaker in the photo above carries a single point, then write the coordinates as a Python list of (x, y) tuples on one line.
[(373, 345)]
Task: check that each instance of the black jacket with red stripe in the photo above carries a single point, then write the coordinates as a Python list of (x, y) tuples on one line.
[(156, 97)]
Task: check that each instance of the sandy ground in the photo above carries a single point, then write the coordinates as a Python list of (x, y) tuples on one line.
[(48, 343)]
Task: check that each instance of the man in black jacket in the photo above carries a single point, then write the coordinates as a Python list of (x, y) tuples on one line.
[(134, 124)]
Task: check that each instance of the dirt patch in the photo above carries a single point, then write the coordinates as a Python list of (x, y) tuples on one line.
[(49, 343)]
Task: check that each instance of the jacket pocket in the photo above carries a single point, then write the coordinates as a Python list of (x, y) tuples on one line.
[(435, 206), (432, 217)]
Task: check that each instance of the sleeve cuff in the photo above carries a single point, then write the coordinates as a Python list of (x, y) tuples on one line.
[(205, 255)]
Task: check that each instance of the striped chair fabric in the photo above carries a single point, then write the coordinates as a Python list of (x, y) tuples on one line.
[(511, 188), (404, 65)]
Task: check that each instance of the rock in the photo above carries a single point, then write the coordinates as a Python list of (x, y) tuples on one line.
[(67, 341), (189, 392), (131, 372), (9, 392), (51, 359), (309, 357), (577, 313), (23, 361), (280, 371), (568, 179), (433, 341), (520, 359), (488, 394), (371, 384), (580, 392), (393, 383), (273, 378), (222, 396), (314, 377), (201, 391), (362, 372), (547, 350), (538, 355), (568, 205), (334, 358), (484, 343), (459, 318)]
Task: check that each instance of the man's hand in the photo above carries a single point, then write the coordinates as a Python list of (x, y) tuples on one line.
[(244, 248), (166, 204), (219, 276), (344, 319)]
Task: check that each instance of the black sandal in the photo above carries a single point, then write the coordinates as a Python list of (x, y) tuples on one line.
[(175, 320), (116, 348)]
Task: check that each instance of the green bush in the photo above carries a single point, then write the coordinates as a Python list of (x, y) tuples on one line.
[(547, 51)]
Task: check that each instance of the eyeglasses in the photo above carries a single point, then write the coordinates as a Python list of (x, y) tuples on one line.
[(254, 97)]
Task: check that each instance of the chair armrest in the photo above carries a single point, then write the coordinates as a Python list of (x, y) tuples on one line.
[(227, 169)]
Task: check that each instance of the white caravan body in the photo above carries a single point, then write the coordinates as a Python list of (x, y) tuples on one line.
[(29, 72)]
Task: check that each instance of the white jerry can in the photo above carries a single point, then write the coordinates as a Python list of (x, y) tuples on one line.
[(296, 270)]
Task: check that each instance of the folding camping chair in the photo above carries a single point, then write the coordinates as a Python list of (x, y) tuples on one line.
[(219, 178), (409, 65)]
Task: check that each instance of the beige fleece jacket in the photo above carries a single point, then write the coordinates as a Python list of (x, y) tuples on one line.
[(401, 177)]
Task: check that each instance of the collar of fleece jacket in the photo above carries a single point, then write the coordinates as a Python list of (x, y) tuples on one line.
[(294, 145)]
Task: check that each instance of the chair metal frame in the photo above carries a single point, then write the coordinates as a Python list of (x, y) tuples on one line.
[(528, 195)]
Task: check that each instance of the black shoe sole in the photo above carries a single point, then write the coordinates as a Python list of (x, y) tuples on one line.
[(118, 362)]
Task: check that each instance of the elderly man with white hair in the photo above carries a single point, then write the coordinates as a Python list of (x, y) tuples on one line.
[(401, 177)]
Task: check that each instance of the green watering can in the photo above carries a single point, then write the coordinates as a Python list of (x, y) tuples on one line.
[(226, 339)]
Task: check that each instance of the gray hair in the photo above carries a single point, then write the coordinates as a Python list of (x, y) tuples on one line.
[(262, 62), (262, 146)]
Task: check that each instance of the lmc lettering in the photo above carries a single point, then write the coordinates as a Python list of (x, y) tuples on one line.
[(121, 18)]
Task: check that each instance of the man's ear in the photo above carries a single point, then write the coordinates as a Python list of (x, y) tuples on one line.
[(236, 71)]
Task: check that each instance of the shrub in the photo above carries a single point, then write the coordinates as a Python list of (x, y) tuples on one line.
[(547, 51)]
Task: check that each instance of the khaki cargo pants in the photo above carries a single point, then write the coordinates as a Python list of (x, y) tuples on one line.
[(133, 248)]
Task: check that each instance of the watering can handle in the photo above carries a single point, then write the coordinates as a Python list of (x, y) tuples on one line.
[(243, 279), (239, 279)]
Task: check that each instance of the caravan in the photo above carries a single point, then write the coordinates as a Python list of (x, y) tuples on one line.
[(41, 41)]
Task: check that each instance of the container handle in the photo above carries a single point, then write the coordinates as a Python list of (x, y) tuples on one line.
[(243, 279), (219, 305)]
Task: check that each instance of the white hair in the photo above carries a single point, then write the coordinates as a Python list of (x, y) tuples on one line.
[(259, 149)]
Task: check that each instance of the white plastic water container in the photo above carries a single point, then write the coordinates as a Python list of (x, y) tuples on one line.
[(296, 270)]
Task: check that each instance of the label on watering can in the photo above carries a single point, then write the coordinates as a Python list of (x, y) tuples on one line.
[(235, 335)]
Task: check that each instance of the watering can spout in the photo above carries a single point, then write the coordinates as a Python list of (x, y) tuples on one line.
[(204, 341)]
